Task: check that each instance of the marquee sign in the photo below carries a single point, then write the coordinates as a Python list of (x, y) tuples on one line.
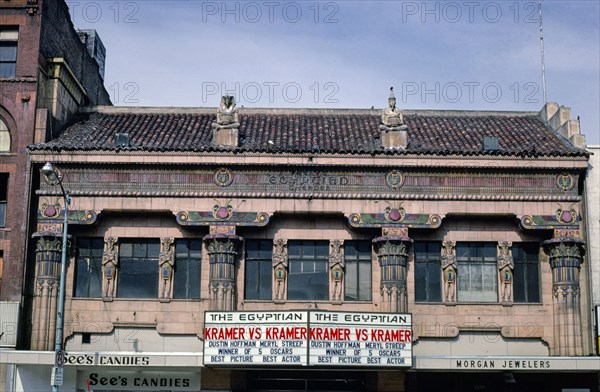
[(308, 338)]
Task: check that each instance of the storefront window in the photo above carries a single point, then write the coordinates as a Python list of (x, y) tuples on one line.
[(138, 268), (259, 270), (186, 278), (428, 271), (357, 279), (308, 277), (526, 275), (477, 271), (88, 268)]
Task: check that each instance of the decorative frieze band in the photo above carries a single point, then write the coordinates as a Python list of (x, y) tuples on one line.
[(305, 181)]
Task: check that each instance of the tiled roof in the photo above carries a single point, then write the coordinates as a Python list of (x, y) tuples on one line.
[(315, 131)]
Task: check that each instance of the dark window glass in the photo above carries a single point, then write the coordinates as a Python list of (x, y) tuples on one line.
[(3, 198), (428, 271), (357, 277), (259, 269), (186, 278), (526, 275), (8, 51), (477, 271), (88, 268), (308, 276), (138, 269)]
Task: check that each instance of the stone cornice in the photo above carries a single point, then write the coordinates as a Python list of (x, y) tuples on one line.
[(340, 161)]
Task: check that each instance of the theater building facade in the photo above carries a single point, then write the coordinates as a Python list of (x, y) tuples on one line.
[(304, 249)]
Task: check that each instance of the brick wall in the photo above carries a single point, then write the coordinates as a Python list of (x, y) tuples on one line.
[(59, 39)]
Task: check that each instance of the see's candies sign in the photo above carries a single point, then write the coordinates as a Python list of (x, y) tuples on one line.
[(308, 338)]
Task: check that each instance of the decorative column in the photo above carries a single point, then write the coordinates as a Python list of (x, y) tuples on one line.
[(47, 276), (280, 264), (392, 253), (336, 267), (166, 262), (449, 268), (565, 256), (222, 250)]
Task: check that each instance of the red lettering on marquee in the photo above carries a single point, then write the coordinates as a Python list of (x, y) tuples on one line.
[(386, 335), (235, 333), (286, 333), (318, 333)]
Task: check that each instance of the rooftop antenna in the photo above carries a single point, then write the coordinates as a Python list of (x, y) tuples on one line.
[(542, 51)]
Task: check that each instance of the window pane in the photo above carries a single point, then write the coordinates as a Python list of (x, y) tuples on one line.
[(8, 70), (2, 214), (186, 278), (8, 53), (138, 269), (351, 280), (259, 270), (526, 286), (477, 272), (358, 267), (428, 271), (308, 278), (88, 268)]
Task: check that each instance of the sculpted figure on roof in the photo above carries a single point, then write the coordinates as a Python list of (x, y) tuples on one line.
[(391, 118), (227, 114)]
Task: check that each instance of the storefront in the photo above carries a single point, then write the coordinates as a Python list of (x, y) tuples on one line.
[(104, 371)]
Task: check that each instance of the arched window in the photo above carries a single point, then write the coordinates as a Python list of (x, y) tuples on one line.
[(4, 137)]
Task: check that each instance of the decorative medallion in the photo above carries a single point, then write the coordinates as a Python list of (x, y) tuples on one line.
[(566, 216), (223, 177), (394, 179), (395, 214), (565, 182), (48, 210), (222, 212)]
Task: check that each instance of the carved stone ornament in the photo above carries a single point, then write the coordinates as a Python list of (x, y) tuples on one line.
[(336, 255), (227, 114), (391, 118), (110, 251), (48, 209), (280, 253), (167, 254), (394, 179), (166, 261), (565, 182), (505, 258), (448, 255), (222, 211), (223, 177), (110, 261)]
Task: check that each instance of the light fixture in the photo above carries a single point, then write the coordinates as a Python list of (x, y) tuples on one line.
[(52, 176)]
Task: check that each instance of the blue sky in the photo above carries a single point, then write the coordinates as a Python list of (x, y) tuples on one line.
[(455, 55)]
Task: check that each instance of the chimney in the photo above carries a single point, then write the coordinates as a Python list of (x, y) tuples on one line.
[(558, 118)]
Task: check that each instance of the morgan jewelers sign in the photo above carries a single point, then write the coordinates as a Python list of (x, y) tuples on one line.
[(308, 338)]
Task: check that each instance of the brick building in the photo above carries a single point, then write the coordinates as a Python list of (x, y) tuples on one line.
[(46, 74), (371, 250)]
